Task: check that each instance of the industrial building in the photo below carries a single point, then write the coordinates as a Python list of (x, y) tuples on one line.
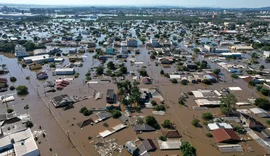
[(38, 59), (65, 71)]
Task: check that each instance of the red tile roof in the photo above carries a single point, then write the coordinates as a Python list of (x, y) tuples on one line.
[(3, 80), (225, 135)]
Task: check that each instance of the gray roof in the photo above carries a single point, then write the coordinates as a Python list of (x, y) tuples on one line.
[(104, 115), (143, 127), (123, 119), (149, 145)]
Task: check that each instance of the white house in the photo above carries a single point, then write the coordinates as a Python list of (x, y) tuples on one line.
[(266, 53), (20, 51)]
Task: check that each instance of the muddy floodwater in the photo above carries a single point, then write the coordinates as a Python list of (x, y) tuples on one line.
[(66, 138)]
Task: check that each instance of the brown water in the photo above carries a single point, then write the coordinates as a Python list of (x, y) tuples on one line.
[(67, 121)]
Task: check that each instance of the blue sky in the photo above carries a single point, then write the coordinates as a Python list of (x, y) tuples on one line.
[(186, 3)]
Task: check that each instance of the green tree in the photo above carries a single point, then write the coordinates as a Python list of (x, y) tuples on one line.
[(167, 124), (161, 72), (228, 104), (22, 90), (26, 107), (139, 120), (111, 65), (235, 76), (196, 50), (29, 124), (216, 71), (174, 81), (116, 114), (123, 69), (252, 83), (143, 72), (12, 79), (262, 67), (207, 116), (187, 149), (262, 103), (150, 120), (195, 122), (100, 70)]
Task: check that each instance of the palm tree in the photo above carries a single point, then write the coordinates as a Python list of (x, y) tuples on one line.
[(26, 107)]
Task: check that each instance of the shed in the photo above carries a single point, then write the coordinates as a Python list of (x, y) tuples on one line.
[(230, 148), (225, 135), (110, 96), (259, 112)]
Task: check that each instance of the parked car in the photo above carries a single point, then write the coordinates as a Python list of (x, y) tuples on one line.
[(65, 82), (61, 84)]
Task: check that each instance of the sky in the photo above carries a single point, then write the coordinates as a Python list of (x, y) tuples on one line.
[(184, 3)]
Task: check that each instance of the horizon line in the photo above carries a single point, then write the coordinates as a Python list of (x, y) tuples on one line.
[(136, 5)]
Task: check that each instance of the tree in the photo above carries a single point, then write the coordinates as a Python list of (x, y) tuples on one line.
[(162, 138), (187, 149), (207, 116), (150, 120), (161, 72), (100, 70), (106, 124), (83, 109), (262, 67), (111, 65), (167, 124), (181, 100), (262, 103), (195, 122), (184, 82), (143, 72), (26, 107), (252, 83), (235, 76), (139, 120), (29, 124), (209, 135), (22, 90), (13, 79), (87, 112), (153, 102), (228, 104), (123, 69), (216, 71), (174, 81), (196, 50), (265, 91), (52, 65), (10, 110), (116, 114), (160, 108)]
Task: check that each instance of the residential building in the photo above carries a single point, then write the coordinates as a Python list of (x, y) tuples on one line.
[(64, 71), (75, 58), (191, 66), (211, 48), (225, 136), (110, 51), (110, 96), (251, 122), (62, 100), (143, 128), (132, 42), (3, 83), (21, 143), (132, 148), (20, 51), (35, 66), (266, 53), (171, 133), (154, 42), (149, 145)]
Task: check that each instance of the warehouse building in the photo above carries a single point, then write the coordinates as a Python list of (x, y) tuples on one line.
[(65, 71), (38, 59)]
